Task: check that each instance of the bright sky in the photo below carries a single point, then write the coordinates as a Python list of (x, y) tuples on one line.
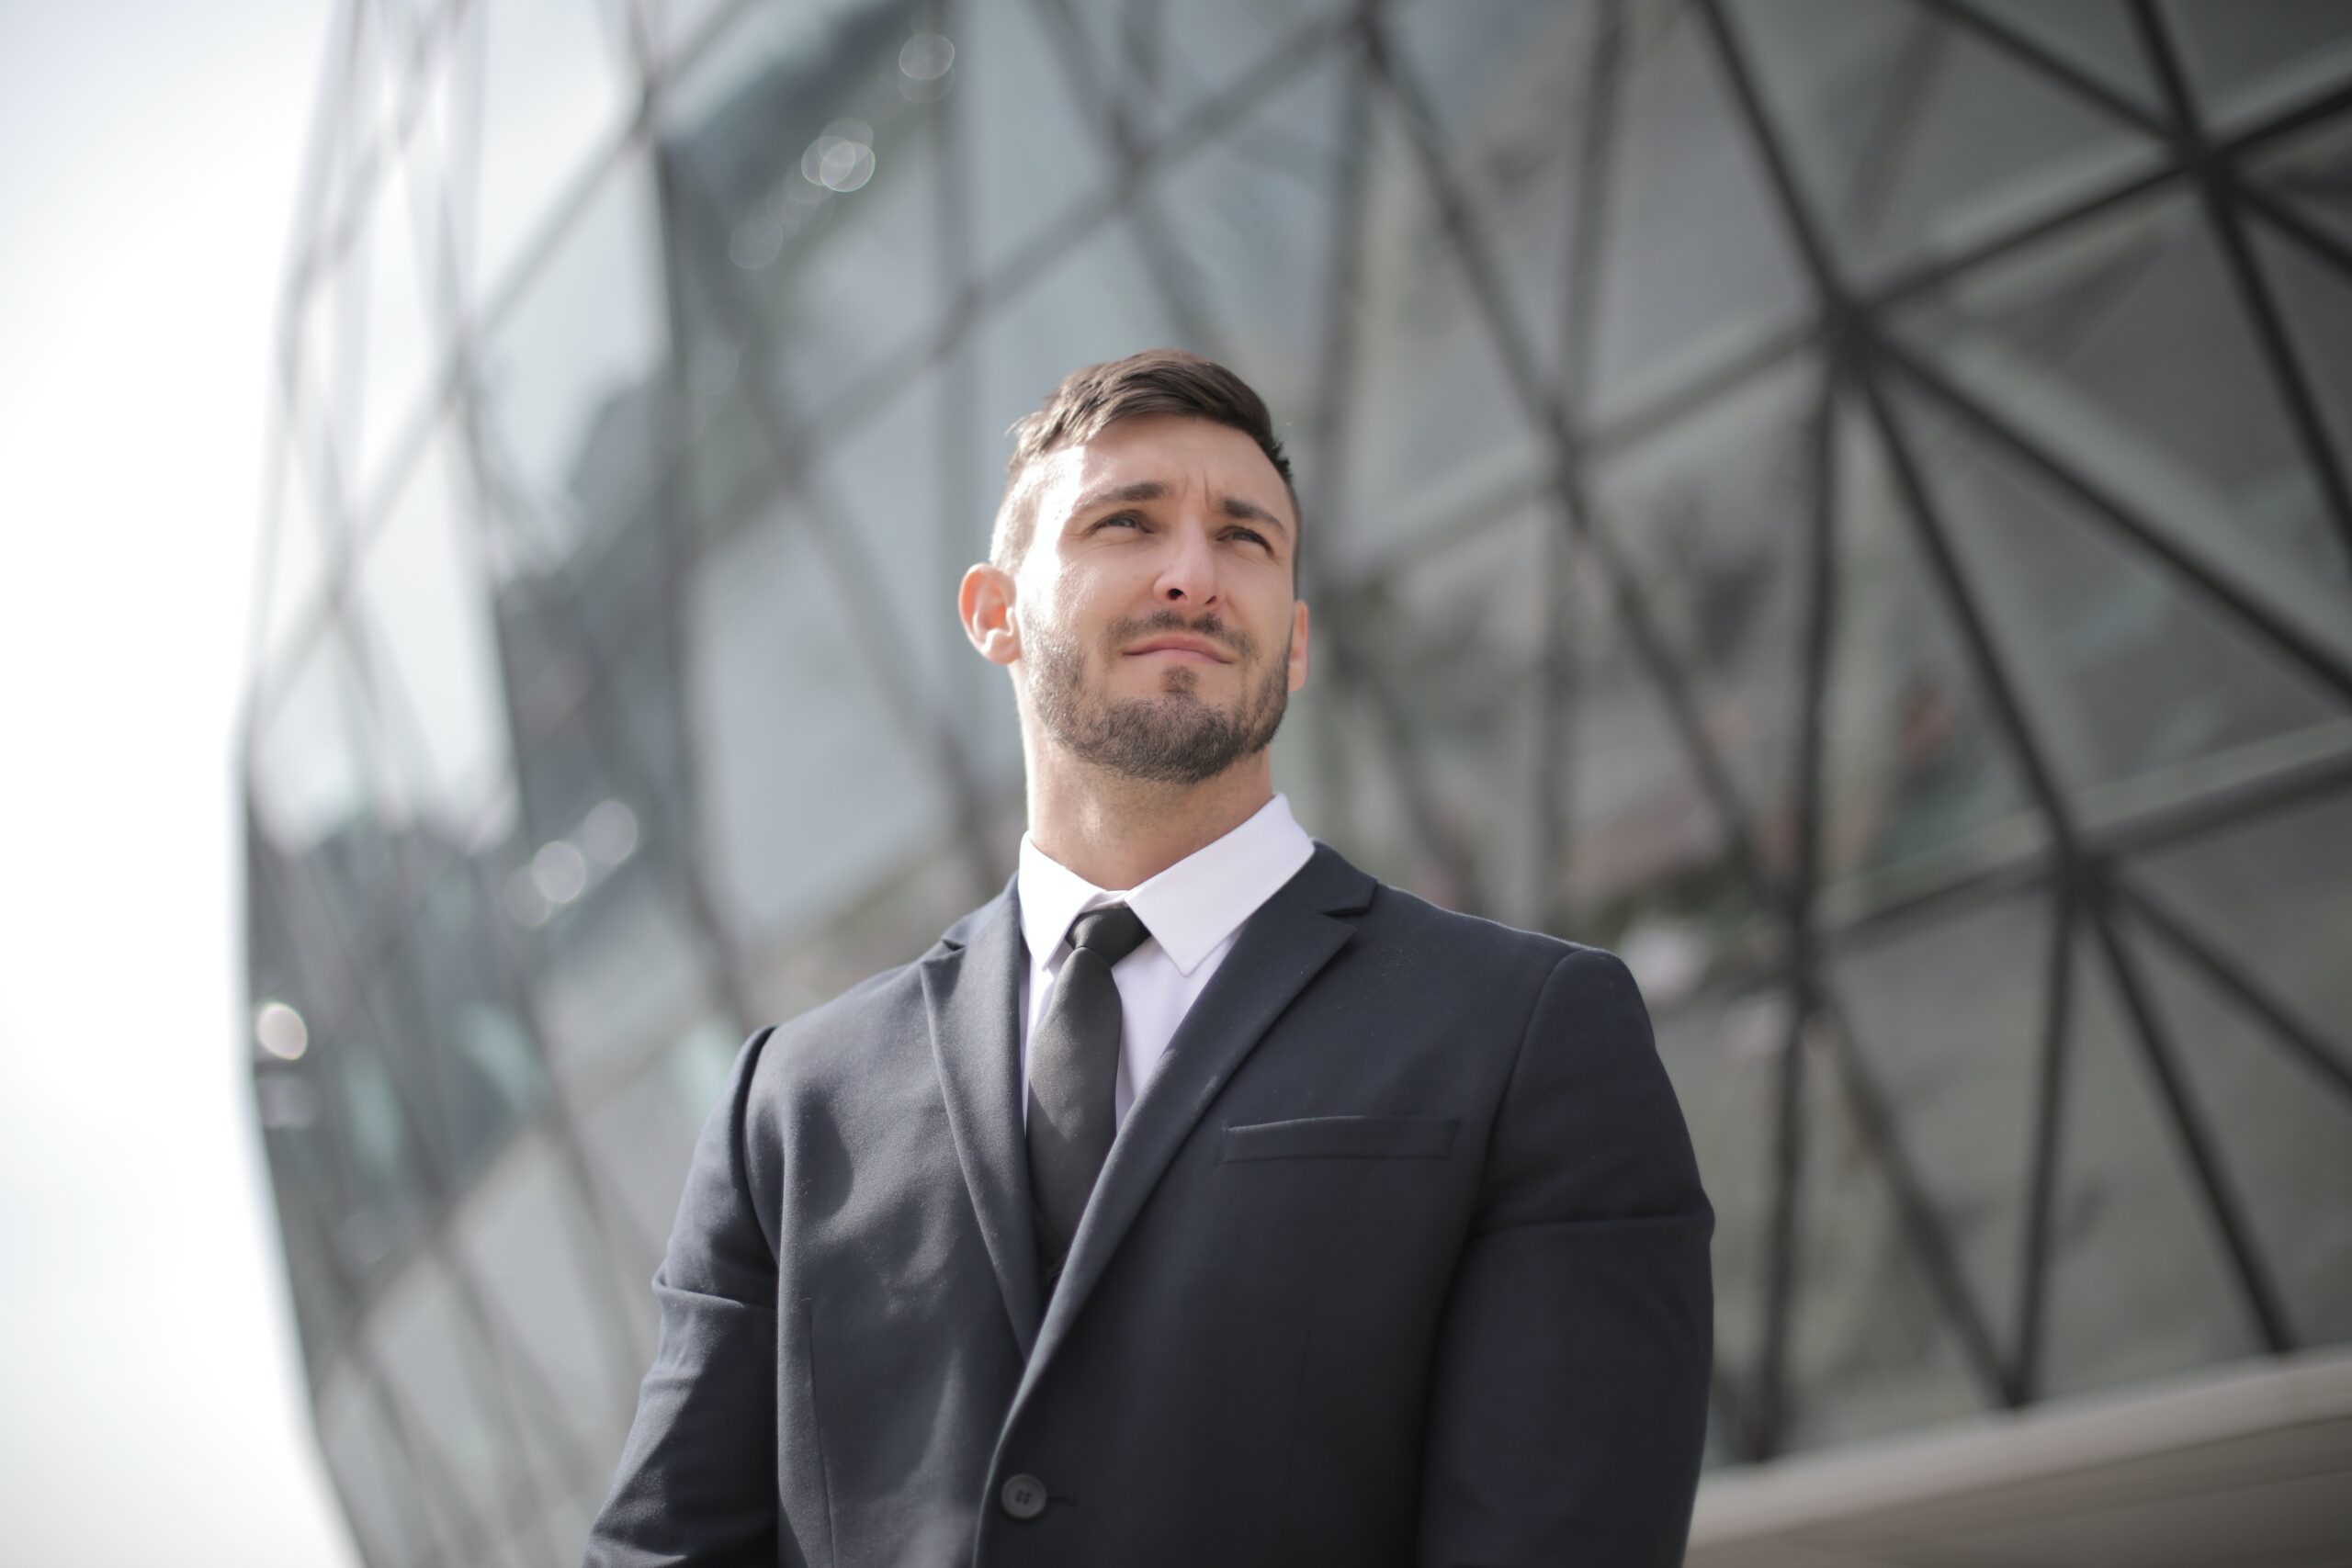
[(151, 1402)]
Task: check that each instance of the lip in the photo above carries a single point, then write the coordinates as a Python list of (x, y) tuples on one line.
[(1181, 647)]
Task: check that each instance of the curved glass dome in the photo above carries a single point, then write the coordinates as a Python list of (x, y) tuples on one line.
[(1843, 501)]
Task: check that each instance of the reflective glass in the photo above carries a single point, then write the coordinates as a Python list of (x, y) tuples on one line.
[(1162, 62), (552, 97), (451, 1392), (425, 614), (2097, 37), (449, 1009), (1723, 1050), (1696, 265), (1037, 147), (2284, 1130), (1919, 778), (1913, 136), (1949, 1016), (570, 442), (2312, 173), (802, 813), (2255, 56), (616, 956), (1413, 461), (404, 254), (2126, 1225), (377, 1487), (295, 582), (2272, 893), (1871, 1346), (2315, 300), (315, 757), (639, 1137), (2121, 349), (1247, 223), (524, 1235), (1713, 520), (2126, 669), (1443, 651)]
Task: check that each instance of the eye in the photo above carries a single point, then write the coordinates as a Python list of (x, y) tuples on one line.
[(1249, 534), (1128, 518)]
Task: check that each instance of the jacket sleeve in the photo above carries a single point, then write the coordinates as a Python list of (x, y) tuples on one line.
[(697, 1486), (1568, 1402)]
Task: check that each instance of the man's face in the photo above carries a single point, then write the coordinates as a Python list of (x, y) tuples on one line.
[(1159, 636)]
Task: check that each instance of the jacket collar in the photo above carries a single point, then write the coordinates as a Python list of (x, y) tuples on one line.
[(972, 989)]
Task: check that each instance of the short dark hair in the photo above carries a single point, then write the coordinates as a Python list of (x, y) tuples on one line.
[(1088, 402)]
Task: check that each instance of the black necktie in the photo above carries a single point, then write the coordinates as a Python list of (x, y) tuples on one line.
[(1073, 1078)]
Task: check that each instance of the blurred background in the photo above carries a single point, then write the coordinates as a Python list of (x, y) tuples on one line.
[(1844, 501)]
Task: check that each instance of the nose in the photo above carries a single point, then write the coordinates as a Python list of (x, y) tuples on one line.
[(1188, 572)]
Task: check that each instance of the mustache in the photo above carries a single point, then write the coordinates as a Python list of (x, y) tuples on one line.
[(1162, 621)]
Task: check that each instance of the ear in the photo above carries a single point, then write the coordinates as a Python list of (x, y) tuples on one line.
[(1297, 644), (985, 604)]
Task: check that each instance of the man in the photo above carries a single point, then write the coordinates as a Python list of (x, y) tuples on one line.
[(1198, 1199)]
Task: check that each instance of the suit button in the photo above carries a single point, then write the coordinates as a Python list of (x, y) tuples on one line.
[(1023, 1497)]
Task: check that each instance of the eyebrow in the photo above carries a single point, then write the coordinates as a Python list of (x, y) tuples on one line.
[(1239, 508)]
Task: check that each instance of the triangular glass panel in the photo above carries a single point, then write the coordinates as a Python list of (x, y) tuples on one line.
[(446, 998), (570, 444), (1915, 138), (446, 1381), (521, 1237), (294, 584), (2140, 1284), (2254, 57), (1696, 265), (423, 601), (1249, 219), (1714, 518), (1723, 1047), (1038, 149), (1163, 63), (1949, 1012), (2315, 299), (371, 1471), (409, 328), (593, 879), (1415, 461), (1920, 784), (2121, 348), (2095, 37), (2283, 1130), (796, 820), (1095, 302), (2311, 174), (1450, 647), (1871, 1347), (2125, 669), (552, 102), (2267, 892)]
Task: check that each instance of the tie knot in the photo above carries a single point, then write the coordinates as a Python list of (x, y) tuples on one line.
[(1110, 934)]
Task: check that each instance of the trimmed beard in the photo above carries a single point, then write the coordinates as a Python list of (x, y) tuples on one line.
[(1175, 738)]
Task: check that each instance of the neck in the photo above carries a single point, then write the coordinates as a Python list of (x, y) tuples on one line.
[(1117, 831)]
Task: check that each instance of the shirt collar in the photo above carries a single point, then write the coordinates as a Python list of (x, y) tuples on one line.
[(1188, 909)]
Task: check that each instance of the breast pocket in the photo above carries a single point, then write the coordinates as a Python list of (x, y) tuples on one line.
[(1342, 1137)]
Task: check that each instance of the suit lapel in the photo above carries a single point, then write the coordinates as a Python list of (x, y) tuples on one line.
[(1282, 947), (971, 992)]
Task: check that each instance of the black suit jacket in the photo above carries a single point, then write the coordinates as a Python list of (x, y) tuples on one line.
[(1399, 1258)]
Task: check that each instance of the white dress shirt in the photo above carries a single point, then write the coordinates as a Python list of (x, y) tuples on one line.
[(1193, 911)]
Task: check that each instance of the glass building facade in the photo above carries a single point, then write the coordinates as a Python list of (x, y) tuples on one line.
[(1845, 501)]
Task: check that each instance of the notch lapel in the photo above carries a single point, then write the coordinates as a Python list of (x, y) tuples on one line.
[(972, 992), (1282, 947)]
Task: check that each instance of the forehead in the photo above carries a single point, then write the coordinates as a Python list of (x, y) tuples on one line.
[(1181, 453)]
